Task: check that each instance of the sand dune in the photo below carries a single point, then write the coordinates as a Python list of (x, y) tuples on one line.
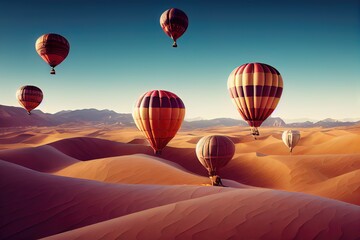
[(43, 158), (15, 139), (258, 171), (37, 204), (240, 214), (310, 174), (354, 129), (85, 148), (265, 162), (343, 144), (345, 187), (136, 169), (315, 137), (109, 182), (139, 141)]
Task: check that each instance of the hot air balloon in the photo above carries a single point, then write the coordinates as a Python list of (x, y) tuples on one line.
[(255, 89), (53, 49), (174, 22), (158, 114), (29, 97), (214, 152), (291, 138)]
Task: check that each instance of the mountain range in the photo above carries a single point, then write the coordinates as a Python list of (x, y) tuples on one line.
[(17, 117)]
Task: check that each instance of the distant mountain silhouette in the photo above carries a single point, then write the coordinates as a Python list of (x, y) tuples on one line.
[(96, 116), (300, 124), (328, 122), (17, 117), (274, 122), (226, 122)]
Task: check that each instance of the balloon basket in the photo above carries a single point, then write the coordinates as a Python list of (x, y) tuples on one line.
[(216, 181)]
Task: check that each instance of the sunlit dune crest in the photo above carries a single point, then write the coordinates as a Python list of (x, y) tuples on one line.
[(43, 158), (86, 182), (240, 214), (40, 204)]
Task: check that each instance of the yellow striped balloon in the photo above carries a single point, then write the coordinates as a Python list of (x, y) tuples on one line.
[(158, 114), (255, 89)]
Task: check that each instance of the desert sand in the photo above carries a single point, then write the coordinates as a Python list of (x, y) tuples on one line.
[(88, 182)]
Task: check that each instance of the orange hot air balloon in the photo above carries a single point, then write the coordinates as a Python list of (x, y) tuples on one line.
[(174, 22), (214, 152), (158, 114), (53, 49), (29, 97), (255, 89)]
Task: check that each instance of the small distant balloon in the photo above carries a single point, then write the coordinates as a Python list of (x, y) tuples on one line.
[(214, 152), (174, 22), (255, 89), (291, 138), (29, 97), (53, 49), (158, 114)]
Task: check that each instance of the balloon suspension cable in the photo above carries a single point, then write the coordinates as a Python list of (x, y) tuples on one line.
[(52, 70), (174, 44), (254, 132)]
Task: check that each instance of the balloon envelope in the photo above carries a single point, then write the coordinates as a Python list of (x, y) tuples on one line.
[(174, 23), (29, 97), (291, 138), (158, 114), (52, 48), (255, 89), (214, 152)]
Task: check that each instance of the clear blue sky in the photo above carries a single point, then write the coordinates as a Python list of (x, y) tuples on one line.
[(118, 51)]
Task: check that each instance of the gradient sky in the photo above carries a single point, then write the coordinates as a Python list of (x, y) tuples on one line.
[(119, 51)]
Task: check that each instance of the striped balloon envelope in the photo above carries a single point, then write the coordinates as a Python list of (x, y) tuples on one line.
[(158, 114), (53, 49), (255, 89), (214, 152), (174, 23), (29, 97), (291, 138)]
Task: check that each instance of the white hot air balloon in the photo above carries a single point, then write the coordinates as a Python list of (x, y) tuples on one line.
[(291, 138)]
